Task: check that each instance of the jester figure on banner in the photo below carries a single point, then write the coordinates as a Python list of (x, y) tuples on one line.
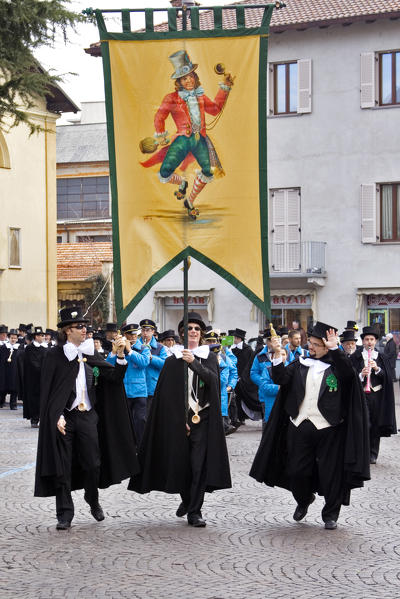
[(187, 105)]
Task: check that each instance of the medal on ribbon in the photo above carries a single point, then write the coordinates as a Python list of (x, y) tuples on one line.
[(96, 373), (331, 381)]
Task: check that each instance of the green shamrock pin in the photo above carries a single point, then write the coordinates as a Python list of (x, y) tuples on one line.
[(331, 381), (96, 374)]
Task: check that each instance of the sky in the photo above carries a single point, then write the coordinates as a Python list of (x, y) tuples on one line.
[(87, 85)]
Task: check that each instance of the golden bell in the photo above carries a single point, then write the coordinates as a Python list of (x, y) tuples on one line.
[(82, 407)]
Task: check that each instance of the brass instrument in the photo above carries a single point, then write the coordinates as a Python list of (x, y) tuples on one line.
[(367, 388), (273, 332)]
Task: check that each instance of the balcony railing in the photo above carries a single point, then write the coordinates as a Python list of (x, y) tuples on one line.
[(302, 257)]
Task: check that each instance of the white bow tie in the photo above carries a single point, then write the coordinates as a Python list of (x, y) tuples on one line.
[(201, 352), (316, 365), (71, 351)]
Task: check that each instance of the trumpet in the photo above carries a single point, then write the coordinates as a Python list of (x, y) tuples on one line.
[(219, 69), (367, 388)]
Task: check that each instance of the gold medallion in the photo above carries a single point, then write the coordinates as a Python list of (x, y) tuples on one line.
[(195, 418), (82, 407)]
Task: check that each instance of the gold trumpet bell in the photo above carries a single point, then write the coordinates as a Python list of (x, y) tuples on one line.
[(219, 68)]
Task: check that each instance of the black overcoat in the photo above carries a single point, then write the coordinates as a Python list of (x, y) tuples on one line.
[(164, 452), (11, 369), (270, 462), (3, 357), (33, 360), (386, 424), (116, 438)]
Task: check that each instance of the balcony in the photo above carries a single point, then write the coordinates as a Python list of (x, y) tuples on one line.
[(300, 258)]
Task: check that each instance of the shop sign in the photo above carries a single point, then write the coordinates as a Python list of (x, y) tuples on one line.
[(301, 301), (383, 300)]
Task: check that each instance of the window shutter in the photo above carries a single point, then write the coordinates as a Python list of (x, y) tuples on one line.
[(304, 86), (293, 230), (367, 80), (278, 232), (271, 90), (368, 213)]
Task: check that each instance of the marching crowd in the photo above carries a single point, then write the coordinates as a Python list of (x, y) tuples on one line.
[(137, 404)]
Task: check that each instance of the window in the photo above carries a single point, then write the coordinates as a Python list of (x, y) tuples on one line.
[(83, 197), (284, 219), (380, 79), (59, 239), (14, 248), (290, 87), (389, 78), (380, 212), (92, 238), (390, 212)]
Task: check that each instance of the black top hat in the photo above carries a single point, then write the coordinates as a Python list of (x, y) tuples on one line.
[(71, 315), (130, 328), (37, 331), (209, 328), (147, 322), (13, 332), (111, 327), (319, 330), (98, 336), (347, 336), (3, 328), (369, 331), (89, 329), (22, 327), (283, 331), (49, 332), (238, 333), (194, 317), (351, 325)]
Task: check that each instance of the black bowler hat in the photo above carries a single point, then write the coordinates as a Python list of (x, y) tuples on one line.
[(369, 331), (237, 333), (319, 330), (131, 328), (70, 316), (169, 334), (351, 325), (347, 336), (147, 322), (194, 317), (111, 327)]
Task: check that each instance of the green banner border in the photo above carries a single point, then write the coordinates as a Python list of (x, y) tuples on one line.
[(262, 31)]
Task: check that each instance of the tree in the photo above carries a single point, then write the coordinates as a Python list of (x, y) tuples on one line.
[(24, 26)]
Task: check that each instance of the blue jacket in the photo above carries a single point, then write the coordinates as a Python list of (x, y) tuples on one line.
[(267, 391), (135, 376), (158, 356), (228, 377), (260, 363), (292, 353)]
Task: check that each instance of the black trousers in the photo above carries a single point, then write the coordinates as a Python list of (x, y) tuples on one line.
[(81, 437), (310, 449), (138, 408), (373, 404), (193, 496)]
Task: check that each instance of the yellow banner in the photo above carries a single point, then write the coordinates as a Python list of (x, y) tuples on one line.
[(186, 133)]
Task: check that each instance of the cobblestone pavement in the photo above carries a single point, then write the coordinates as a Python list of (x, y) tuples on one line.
[(251, 547)]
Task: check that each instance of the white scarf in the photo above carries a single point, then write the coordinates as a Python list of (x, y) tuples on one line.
[(37, 344), (71, 351), (201, 351), (316, 366)]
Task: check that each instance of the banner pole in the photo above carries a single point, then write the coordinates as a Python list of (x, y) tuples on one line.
[(185, 329)]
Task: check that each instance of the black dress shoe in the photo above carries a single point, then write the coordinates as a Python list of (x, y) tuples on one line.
[(13, 408), (97, 512), (182, 510), (301, 510), (330, 525), (372, 460), (63, 525), (196, 521)]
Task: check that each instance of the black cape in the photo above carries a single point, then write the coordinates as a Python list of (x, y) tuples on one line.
[(164, 451), (386, 424), (33, 360), (270, 463), (246, 391), (116, 438)]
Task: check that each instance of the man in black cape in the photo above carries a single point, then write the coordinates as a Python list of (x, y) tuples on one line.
[(246, 392), (316, 438), (380, 397), (183, 449), (33, 360), (85, 437)]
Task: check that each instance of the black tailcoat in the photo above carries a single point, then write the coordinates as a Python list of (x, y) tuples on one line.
[(347, 403), (116, 438), (245, 389), (164, 452), (386, 424), (33, 360), (11, 369)]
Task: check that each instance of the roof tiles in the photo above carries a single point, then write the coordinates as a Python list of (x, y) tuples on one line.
[(78, 261)]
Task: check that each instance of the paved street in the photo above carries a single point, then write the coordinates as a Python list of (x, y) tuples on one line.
[(251, 547)]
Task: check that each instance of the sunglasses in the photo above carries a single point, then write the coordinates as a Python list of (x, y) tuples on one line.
[(193, 328), (79, 326)]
